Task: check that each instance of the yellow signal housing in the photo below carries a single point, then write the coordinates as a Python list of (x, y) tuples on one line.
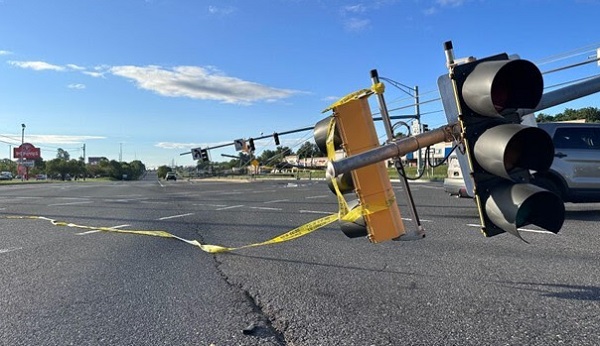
[(372, 183)]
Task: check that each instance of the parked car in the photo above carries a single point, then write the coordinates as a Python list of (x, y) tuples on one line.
[(454, 183), (575, 171), (6, 176), (171, 176)]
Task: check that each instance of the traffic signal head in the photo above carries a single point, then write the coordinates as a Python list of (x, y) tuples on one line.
[(276, 138), (204, 155), (501, 151), (251, 147), (354, 132)]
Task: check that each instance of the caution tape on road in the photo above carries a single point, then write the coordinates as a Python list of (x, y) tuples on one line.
[(344, 214), (293, 234)]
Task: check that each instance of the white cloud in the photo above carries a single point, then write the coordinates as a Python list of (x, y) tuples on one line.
[(450, 3), (357, 24), (5, 52), (199, 83), (75, 67), (359, 8), (216, 10), (57, 139), (203, 83), (77, 86), (37, 65), (175, 145), (93, 74)]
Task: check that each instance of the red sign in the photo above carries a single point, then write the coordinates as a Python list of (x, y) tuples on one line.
[(26, 151)]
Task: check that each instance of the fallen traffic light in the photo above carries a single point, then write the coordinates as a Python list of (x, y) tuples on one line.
[(501, 152), (355, 133)]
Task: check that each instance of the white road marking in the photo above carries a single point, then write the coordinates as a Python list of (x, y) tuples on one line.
[(10, 249), (210, 205), (265, 208), (410, 219), (88, 232), (315, 212), (70, 203), (322, 196), (276, 201), (230, 207), (175, 216), (519, 229)]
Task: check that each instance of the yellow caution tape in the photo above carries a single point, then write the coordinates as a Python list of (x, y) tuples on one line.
[(293, 234), (343, 214), (377, 88)]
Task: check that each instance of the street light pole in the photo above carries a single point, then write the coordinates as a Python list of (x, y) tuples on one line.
[(22, 141)]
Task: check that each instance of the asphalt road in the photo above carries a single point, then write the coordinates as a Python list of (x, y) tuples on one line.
[(63, 285)]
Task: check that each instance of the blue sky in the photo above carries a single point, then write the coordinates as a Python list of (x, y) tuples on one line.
[(151, 79)]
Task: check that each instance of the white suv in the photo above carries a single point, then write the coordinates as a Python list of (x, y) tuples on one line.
[(575, 171)]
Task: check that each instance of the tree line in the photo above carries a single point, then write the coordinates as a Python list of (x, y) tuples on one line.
[(63, 167), (590, 114)]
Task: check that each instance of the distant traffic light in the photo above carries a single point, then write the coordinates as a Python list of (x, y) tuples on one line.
[(204, 155), (355, 132), (200, 154), (501, 151), (276, 138), (251, 147)]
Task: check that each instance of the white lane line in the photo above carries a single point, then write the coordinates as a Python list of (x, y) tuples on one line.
[(230, 207), (70, 203), (519, 229), (315, 212), (265, 208), (97, 230), (210, 205), (88, 232), (10, 249), (276, 201), (409, 219), (175, 216), (322, 196)]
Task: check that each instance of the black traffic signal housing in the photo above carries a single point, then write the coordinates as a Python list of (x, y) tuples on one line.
[(501, 151), (251, 147), (276, 138), (204, 155)]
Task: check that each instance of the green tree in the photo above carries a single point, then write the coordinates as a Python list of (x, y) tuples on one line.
[(590, 114), (309, 149), (163, 170), (62, 154)]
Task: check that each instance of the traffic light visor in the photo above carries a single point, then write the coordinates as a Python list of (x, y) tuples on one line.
[(504, 149), (511, 206), (496, 88)]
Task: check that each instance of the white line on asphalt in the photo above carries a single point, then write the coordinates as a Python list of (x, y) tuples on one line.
[(519, 229), (276, 201), (322, 196), (230, 207), (175, 216), (10, 249), (70, 203), (265, 208), (409, 219), (88, 232), (210, 205), (315, 212)]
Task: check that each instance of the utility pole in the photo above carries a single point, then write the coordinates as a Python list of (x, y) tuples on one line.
[(84, 173)]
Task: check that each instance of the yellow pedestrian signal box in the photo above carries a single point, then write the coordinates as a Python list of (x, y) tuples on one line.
[(356, 128)]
